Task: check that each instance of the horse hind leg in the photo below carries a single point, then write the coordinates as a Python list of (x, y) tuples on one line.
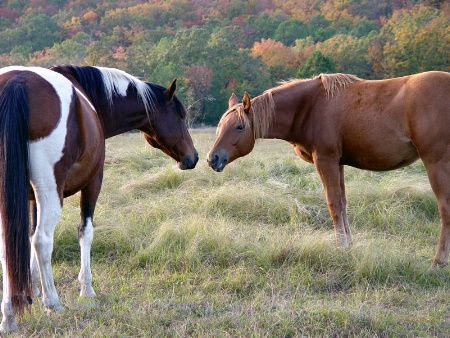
[(49, 207), (33, 260), (42, 242), (438, 174)]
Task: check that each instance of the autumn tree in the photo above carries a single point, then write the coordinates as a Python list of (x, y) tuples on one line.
[(280, 59), (416, 40)]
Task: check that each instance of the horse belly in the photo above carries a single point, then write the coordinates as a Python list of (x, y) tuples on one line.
[(380, 156)]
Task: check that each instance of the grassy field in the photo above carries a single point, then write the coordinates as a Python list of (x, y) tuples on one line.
[(249, 252)]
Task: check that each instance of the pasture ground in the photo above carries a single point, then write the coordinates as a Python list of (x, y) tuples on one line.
[(248, 252)]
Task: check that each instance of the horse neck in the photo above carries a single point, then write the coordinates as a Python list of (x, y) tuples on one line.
[(125, 114), (292, 104)]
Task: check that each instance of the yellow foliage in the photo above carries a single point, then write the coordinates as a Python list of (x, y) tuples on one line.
[(90, 16)]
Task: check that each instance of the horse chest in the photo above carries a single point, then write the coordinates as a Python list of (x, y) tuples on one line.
[(302, 153)]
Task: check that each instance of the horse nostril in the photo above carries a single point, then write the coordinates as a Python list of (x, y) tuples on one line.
[(215, 160)]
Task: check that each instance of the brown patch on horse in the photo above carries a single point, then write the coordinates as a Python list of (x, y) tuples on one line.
[(44, 107)]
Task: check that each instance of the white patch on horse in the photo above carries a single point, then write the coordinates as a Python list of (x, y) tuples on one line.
[(117, 81), (85, 275)]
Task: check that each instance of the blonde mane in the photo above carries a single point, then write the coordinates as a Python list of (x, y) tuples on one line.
[(331, 82), (263, 106), (262, 113), (334, 82)]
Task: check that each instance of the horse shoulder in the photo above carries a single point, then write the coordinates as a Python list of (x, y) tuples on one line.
[(91, 141)]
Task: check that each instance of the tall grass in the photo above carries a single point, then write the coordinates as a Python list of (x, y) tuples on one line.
[(249, 252)]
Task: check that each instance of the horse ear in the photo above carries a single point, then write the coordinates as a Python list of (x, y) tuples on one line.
[(232, 101), (246, 102), (168, 93)]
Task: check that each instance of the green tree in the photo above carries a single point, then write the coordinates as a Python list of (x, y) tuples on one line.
[(289, 31), (10, 38), (317, 63), (41, 31), (320, 29), (259, 27), (349, 54)]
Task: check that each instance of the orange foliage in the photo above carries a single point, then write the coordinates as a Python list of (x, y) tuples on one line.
[(90, 16), (274, 53)]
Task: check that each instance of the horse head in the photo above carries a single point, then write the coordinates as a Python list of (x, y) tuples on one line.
[(168, 129), (235, 134)]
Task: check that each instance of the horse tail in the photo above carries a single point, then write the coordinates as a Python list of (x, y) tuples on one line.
[(14, 185)]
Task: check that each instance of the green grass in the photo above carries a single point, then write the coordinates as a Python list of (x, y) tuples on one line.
[(249, 252)]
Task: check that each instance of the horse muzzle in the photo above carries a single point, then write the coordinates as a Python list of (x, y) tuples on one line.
[(217, 162), (188, 162)]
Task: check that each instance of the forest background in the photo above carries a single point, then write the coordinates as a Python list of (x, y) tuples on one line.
[(215, 48)]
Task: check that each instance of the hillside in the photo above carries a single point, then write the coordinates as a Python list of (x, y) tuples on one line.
[(218, 47)]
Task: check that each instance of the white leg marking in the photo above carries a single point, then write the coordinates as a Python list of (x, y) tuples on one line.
[(85, 275), (34, 272)]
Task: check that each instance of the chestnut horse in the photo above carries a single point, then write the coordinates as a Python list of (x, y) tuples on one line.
[(337, 120), (53, 125)]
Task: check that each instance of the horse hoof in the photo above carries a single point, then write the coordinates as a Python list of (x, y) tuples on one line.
[(54, 308), (8, 325), (439, 264)]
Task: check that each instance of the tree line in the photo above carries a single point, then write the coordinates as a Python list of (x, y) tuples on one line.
[(218, 47)]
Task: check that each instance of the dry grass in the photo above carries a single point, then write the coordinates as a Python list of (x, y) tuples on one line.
[(248, 253)]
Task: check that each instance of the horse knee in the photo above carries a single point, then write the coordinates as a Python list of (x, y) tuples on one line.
[(42, 243)]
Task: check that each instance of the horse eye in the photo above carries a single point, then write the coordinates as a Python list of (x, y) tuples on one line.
[(240, 127)]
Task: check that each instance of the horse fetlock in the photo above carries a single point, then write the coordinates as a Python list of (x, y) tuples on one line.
[(87, 291)]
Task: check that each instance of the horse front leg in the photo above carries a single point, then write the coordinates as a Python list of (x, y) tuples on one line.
[(89, 196), (330, 174), (344, 205)]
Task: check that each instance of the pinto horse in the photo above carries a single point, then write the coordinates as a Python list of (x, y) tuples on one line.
[(53, 126), (336, 120)]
